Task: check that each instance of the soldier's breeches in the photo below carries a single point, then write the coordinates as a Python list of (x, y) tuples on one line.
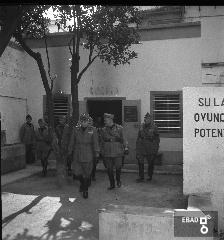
[(141, 170), (110, 162), (150, 159)]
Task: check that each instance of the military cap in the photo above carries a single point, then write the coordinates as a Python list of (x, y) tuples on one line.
[(147, 115), (84, 117), (108, 115), (28, 116)]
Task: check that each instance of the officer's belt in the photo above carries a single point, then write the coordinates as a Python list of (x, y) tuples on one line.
[(111, 140), (147, 138)]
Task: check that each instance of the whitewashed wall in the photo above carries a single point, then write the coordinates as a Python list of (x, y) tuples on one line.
[(13, 103), (161, 65)]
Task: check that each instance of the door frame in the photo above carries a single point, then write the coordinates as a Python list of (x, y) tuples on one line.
[(103, 98), (85, 99)]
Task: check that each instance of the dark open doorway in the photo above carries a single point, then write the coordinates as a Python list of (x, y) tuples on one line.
[(96, 109)]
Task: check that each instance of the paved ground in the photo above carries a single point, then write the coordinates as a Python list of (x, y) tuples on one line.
[(35, 209)]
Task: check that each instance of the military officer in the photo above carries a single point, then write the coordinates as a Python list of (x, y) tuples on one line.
[(147, 146), (67, 131), (84, 144), (27, 136), (59, 129), (44, 141), (113, 147)]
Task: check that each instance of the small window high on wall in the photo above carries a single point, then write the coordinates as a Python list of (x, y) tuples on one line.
[(166, 109)]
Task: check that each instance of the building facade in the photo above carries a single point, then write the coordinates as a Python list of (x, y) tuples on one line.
[(179, 47)]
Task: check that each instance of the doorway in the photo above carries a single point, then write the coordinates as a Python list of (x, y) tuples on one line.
[(97, 108)]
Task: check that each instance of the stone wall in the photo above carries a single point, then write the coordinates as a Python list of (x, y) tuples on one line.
[(12, 158)]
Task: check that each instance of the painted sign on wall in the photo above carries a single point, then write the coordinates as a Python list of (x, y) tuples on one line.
[(104, 90), (130, 114), (203, 139)]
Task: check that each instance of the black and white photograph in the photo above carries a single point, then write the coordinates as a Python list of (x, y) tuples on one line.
[(112, 122)]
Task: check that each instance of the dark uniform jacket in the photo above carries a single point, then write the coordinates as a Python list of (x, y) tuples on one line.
[(84, 144), (148, 140), (43, 139), (59, 132), (113, 142), (27, 133), (66, 136)]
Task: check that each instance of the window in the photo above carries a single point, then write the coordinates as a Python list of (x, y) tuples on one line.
[(62, 103), (61, 106), (166, 109)]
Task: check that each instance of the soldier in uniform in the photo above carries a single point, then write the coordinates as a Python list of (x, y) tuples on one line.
[(147, 146), (95, 159), (84, 143), (44, 141), (67, 131), (113, 147), (59, 129), (27, 136)]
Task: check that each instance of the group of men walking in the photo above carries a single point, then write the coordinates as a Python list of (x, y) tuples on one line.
[(82, 145)]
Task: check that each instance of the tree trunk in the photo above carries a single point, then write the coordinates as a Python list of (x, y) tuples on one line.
[(74, 89), (60, 163)]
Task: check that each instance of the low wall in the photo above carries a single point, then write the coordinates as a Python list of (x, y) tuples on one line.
[(209, 202), (12, 157), (122, 222)]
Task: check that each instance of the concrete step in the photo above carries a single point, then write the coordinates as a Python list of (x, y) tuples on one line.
[(139, 222), (133, 168), (163, 169)]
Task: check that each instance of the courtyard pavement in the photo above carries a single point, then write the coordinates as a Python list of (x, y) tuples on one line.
[(34, 208)]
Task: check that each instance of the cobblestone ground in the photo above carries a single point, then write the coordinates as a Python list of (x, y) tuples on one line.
[(36, 209)]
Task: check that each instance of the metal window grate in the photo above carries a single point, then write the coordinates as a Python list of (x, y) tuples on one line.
[(61, 106), (167, 112)]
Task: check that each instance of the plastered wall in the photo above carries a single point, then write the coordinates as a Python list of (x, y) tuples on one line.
[(13, 102), (162, 65)]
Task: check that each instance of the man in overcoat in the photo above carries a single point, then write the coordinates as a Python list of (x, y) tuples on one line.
[(66, 136), (147, 145), (84, 145), (43, 140), (60, 128), (113, 148)]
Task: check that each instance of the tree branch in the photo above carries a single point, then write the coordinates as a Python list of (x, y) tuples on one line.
[(48, 63), (39, 61), (25, 47), (69, 46), (86, 67), (78, 28)]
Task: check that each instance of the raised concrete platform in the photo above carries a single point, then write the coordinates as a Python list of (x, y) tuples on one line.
[(12, 157), (28, 171), (209, 202)]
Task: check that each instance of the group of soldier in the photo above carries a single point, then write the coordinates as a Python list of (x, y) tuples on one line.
[(82, 146)]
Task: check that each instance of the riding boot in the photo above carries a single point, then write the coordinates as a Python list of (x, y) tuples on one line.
[(85, 187), (141, 173), (118, 177), (45, 167), (111, 178), (81, 187)]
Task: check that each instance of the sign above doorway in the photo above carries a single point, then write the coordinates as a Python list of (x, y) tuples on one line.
[(104, 90)]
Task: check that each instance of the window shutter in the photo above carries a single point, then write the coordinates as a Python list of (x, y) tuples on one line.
[(167, 112)]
